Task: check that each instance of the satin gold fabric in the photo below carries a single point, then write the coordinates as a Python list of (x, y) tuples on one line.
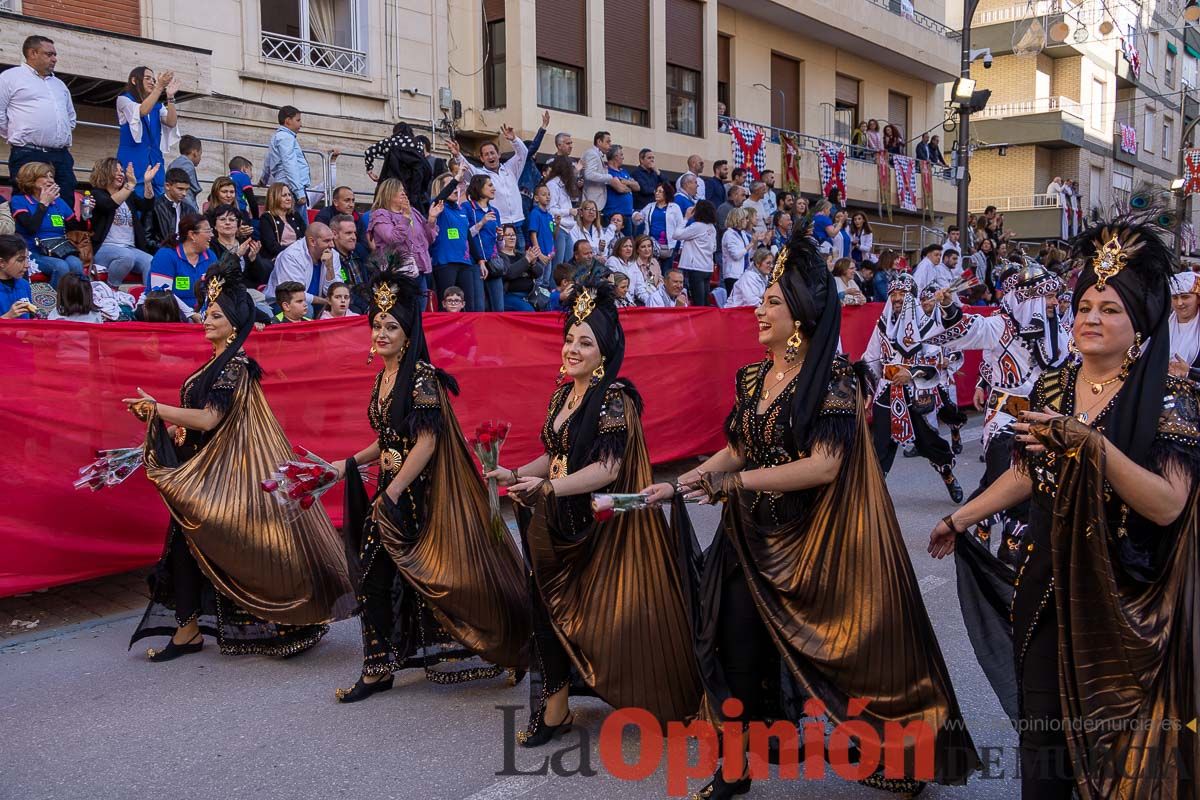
[(840, 599), (474, 583), (287, 573), (1127, 650), (616, 600)]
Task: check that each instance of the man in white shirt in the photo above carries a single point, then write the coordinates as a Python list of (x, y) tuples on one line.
[(309, 262), (670, 294), (931, 271), (506, 177), (951, 243), (769, 200), (1054, 191), (695, 167), (594, 169), (758, 201), (37, 115)]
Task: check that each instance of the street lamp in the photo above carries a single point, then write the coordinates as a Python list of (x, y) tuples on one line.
[(782, 100), (967, 99)]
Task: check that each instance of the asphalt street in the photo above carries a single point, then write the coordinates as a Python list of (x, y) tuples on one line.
[(85, 718)]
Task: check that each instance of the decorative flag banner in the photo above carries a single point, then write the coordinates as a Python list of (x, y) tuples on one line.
[(1128, 139), (1191, 170), (906, 182), (881, 174), (833, 169), (1130, 51), (789, 146), (749, 150), (926, 188)]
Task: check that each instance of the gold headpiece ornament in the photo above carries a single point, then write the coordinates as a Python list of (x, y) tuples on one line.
[(585, 304), (385, 297), (1109, 260), (780, 263), (214, 289)]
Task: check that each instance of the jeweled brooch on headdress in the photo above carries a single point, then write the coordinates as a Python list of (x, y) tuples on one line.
[(585, 304), (1109, 260), (780, 263), (385, 297), (214, 289)]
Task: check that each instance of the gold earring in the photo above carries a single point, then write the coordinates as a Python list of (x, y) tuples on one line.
[(1132, 354), (793, 344), (598, 372), (562, 373), (371, 355), (1072, 348), (231, 338)]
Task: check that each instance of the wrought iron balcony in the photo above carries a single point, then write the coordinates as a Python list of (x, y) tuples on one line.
[(327, 57)]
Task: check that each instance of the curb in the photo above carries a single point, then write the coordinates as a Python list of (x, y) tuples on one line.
[(66, 630)]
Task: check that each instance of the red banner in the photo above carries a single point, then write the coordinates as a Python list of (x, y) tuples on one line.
[(63, 383)]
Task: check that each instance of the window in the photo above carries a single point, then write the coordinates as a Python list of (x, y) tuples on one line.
[(560, 87), (1095, 187), (898, 113), (1169, 69), (1148, 131), (315, 33), (1168, 137), (683, 100), (723, 81), (845, 114), (685, 60), (495, 87), (1097, 105), (1152, 53), (632, 116), (1122, 182), (561, 55)]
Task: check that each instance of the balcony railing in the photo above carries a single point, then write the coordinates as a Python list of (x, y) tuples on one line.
[(290, 50), (1018, 202), (813, 144), (1015, 12), (927, 22), (7, 5), (1040, 105)]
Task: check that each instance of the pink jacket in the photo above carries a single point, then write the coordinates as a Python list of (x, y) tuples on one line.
[(392, 232)]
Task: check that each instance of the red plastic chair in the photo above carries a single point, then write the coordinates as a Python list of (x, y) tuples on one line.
[(136, 292)]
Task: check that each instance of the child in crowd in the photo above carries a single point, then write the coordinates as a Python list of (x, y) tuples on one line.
[(454, 300), (292, 302), (191, 150), (241, 171), (16, 300), (74, 302), (562, 282), (339, 302), (614, 231), (541, 223)]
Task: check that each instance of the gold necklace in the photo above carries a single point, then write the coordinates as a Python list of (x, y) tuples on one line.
[(1086, 414), (573, 401), (779, 376), (1098, 387)]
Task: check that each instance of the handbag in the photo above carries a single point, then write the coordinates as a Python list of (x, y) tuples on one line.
[(56, 247), (538, 297), (497, 267)]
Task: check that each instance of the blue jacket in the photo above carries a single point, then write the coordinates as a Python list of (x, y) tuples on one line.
[(452, 245), (714, 191), (11, 291), (531, 176), (285, 163)]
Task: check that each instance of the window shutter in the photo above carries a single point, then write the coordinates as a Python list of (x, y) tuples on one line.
[(685, 34), (493, 10), (785, 77), (847, 90), (562, 32), (627, 53)]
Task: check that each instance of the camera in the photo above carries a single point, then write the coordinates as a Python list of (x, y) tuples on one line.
[(987, 61)]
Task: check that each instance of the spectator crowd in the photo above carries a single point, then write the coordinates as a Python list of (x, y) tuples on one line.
[(507, 232)]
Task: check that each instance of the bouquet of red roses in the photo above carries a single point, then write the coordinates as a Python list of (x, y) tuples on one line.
[(110, 468), (489, 438), (299, 484)]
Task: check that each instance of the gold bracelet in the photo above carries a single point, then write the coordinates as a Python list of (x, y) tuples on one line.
[(949, 520)]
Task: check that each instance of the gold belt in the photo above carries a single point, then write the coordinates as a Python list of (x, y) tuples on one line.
[(390, 460), (558, 467)]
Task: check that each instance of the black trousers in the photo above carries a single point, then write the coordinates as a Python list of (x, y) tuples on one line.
[(696, 282), (552, 659), (745, 650), (378, 614), (186, 579), (928, 443), (950, 413)]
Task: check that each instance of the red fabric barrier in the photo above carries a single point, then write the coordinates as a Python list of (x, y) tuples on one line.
[(63, 383)]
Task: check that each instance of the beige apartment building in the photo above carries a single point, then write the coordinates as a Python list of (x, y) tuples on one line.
[(353, 67), (1060, 112), (652, 72)]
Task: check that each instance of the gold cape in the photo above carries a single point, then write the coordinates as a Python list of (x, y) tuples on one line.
[(473, 582), (615, 597), (840, 599), (290, 573), (1127, 650)]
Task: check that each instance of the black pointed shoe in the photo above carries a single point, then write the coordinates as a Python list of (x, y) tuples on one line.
[(539, 733), (173, 651), (956, 442), (954, 488), (361, 690), (718, 789)]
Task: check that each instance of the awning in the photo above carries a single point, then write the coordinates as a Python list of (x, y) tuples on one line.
[(1171, 48), (1191, 51)]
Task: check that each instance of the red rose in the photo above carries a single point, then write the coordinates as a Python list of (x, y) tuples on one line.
[(504, 428), (485, 439), (316, 471), (307, 501), (269, 485), (300, 451), (604, 515), (296, 491)]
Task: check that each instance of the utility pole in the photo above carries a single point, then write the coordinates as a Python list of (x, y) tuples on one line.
[(964, 116), (1183, 201)]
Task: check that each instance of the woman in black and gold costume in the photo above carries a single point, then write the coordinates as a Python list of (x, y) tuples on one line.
[(807, 590), (233, 567), (608, 604), (1100, 619), (434, 582)]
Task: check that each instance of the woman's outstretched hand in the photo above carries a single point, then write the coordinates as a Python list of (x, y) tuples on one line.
[(659, 493)]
